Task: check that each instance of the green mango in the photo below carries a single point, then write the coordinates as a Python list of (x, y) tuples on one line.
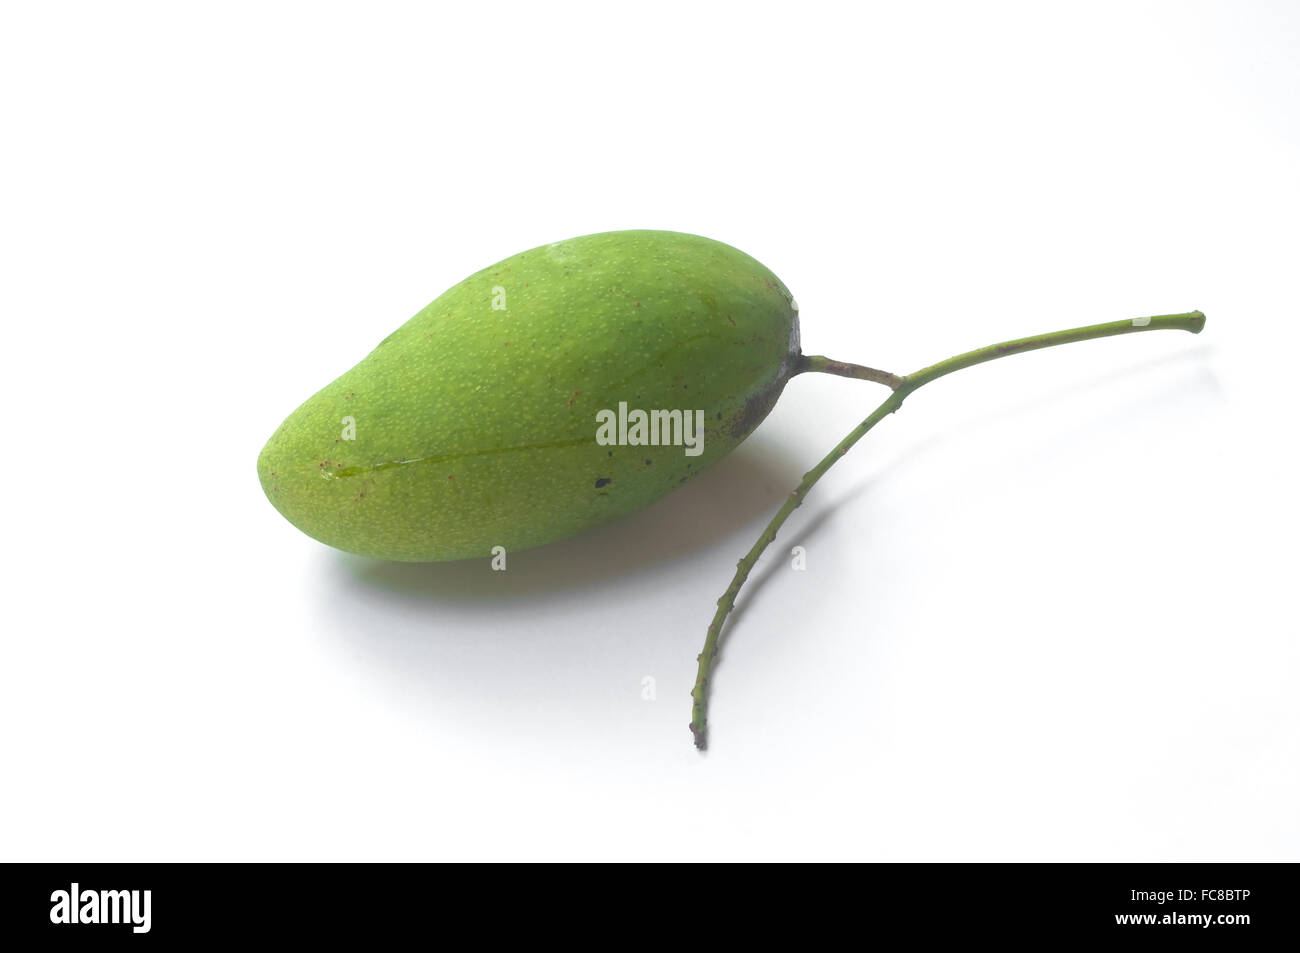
[(485, 420)]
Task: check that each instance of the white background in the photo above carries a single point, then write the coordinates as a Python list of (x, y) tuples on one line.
[(1049, 610)]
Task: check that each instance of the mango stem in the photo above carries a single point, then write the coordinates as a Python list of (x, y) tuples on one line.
[(1192, 321), (824, 365)]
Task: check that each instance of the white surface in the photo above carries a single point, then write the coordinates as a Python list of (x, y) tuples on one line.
[(1049, 609)]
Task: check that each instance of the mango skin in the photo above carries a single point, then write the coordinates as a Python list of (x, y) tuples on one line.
[(476, 427)]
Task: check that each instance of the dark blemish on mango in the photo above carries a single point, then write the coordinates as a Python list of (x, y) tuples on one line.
[(603, 481), (757, 406)]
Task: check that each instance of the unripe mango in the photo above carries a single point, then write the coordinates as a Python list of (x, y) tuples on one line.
[(476, 423)]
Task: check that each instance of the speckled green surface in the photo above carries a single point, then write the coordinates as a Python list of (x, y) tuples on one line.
[(477, 427)]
